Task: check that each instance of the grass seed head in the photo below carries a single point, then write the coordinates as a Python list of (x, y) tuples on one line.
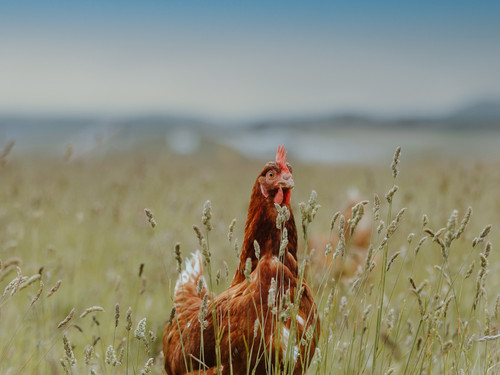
[(54, 288), (309, 210), (231, 231), (256, 327), (248, 269), (334, 219), (395, 162), (205, 251), (38, 294), (128, 327), (88, 354), (369, 257), (110, 356), (469, 270), (376, 207), (380, 227), (256, 248), (481, 236), (140, 330), (400, 214), (390, 194), (117, 314), (425, 220), (464, 223), (91, 309), (120, 356), (198, 233), (67, 318), (203, 312), (207, 216), (393, 258), (152, 336), (328, 249), (68, 350), (358, 210), (271, 296), (237, 249), (172, 316), (17, 281), (150, 217), (178, 257), (199, 286), (419, 245), (389, 321), (30, 281), (148, 366), (487, 249)]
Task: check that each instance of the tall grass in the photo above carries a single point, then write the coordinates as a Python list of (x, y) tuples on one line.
[(77, 250)]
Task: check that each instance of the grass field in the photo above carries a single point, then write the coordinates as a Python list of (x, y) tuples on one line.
[(82, 222)]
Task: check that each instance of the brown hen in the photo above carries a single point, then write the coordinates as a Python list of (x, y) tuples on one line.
[(266, 321)]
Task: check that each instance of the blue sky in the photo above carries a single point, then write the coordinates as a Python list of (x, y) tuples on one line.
[(247, 59)]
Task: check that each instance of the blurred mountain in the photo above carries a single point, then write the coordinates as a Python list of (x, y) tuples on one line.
[(347, 137), (487, 111), (483, 115)]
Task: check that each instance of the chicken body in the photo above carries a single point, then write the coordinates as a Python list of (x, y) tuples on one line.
[(266, 321)]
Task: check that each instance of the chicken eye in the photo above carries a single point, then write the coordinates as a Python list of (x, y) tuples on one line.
[(270, 174)]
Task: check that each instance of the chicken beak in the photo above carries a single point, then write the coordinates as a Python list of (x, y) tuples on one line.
[(286, 181)]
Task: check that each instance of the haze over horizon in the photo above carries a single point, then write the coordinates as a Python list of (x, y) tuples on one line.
[(229, 60)]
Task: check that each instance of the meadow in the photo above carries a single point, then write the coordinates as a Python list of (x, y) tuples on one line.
[(86, 280)]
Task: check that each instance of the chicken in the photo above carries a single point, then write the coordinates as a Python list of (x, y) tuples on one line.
[(266, 321), (358, 242)]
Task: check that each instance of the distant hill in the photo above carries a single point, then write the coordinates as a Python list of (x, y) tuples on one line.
[(482, 111), (484, 115), (338, 138), (480, 115)]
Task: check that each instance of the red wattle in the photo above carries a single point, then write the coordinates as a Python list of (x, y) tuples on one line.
[(288, 195), (278, 198)]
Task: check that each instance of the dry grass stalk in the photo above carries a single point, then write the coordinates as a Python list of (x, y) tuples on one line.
[(390, 194), (128, 327), (38, 294), (54, 288), (395, 162), (178, 257), (207, 216), (481, 236), (150, 217), (67, 319), (91, 309), (70, 356), (231, 231), (393, 258), (30, 281)]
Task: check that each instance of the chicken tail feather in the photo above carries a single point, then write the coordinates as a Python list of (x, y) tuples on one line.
[(187, 290)]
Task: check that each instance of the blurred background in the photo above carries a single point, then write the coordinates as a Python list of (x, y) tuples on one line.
[(337, 82), (111, 107)]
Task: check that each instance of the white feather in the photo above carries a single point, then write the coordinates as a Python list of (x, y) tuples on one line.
[(192, 271)]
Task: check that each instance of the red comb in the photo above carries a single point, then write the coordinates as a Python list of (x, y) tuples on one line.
[(281, 158)]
